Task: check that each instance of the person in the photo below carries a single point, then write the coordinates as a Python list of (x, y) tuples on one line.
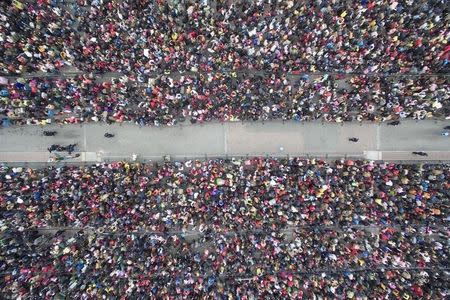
[(292, 227), (353, 139), (70, 148)]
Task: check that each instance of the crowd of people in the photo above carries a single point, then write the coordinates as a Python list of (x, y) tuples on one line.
[(144, 36), (303, 264), (230, 229), (253, 228), (168, 100), (244, 61), (225, 196)]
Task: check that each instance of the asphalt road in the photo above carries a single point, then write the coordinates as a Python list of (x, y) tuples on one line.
[(275, 138)]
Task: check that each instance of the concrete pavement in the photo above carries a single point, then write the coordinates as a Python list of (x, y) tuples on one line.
[(275, 138)]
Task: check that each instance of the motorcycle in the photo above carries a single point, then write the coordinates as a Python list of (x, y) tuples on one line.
[(49, 133), (108, 135), (420, 153), (55, 147)]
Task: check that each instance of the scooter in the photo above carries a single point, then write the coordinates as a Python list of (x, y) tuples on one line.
[(53, 148), (56, 147), (49, 133), (394, 123), (420, 153)]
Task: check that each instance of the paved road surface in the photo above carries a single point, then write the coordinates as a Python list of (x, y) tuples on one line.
[(274, 138)]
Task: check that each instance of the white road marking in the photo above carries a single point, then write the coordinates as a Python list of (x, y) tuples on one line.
[(225, 137), (378, 137), (84, 136)]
